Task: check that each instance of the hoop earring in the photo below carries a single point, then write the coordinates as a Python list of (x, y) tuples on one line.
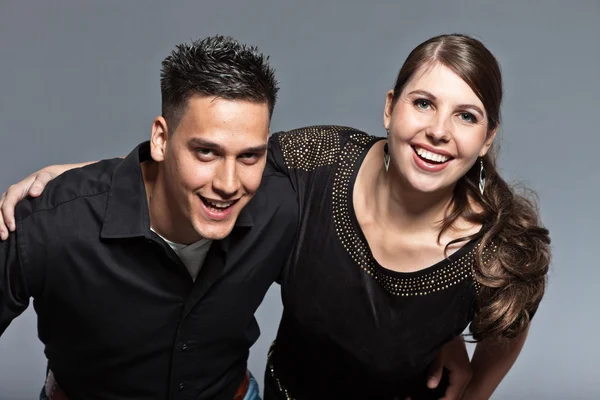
[(386, 153), (481, 177)]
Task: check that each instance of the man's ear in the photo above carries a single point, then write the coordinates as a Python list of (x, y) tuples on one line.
[(159, 138)]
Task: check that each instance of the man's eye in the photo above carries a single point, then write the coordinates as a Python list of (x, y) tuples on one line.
[(205, 152)]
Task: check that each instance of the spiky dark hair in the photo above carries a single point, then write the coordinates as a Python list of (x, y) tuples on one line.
[(217, 66)]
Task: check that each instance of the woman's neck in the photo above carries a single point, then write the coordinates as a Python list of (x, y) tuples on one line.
[(392, 202)]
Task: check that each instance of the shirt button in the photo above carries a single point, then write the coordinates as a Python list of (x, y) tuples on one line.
[(182, 386), (184, 347)]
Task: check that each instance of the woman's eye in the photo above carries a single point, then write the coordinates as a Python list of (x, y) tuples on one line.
[(468, 117), (423, 104)]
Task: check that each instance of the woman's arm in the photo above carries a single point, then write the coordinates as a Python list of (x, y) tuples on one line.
[(490, 363)]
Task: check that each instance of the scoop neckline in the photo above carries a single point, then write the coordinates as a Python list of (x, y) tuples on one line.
[(459, 253)]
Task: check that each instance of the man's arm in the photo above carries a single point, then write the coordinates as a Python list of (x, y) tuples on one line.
[(491, 362), (453, 356), (14, 286), (32, 186)]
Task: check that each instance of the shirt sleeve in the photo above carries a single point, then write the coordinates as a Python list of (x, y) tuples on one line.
[(305, 156), (276, 164), (14, 293), (304, 153)]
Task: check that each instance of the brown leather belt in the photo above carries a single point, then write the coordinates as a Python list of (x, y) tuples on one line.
[(54, 392), (241, 391)]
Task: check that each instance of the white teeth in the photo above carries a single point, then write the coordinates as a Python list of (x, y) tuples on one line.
[(216, 204), (428, 155)]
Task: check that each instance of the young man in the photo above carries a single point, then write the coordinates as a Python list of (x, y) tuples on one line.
[(146, 272)]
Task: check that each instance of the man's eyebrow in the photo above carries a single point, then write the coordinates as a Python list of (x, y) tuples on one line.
[(207, 144), (256, 149)]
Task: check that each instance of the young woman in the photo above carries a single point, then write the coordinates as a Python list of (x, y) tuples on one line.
[(404, 241)]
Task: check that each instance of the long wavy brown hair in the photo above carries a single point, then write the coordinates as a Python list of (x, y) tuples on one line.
[(514, 254)]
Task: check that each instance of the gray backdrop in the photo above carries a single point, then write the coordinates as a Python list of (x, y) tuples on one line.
[(79, 81)]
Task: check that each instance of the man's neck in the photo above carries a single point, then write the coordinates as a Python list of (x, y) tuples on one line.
[(164, 216)]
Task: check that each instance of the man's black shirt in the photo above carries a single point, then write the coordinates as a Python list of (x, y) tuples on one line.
[(118, 312)]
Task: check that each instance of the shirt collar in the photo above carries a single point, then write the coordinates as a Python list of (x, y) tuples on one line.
[(127, 212)]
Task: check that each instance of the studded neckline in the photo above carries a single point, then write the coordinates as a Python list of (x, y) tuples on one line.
[(444, 273)]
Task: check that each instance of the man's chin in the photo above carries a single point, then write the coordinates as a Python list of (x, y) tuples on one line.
[(214, 232)]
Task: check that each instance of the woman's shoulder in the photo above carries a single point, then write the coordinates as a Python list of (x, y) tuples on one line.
[(318, 145), (317, 135)]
